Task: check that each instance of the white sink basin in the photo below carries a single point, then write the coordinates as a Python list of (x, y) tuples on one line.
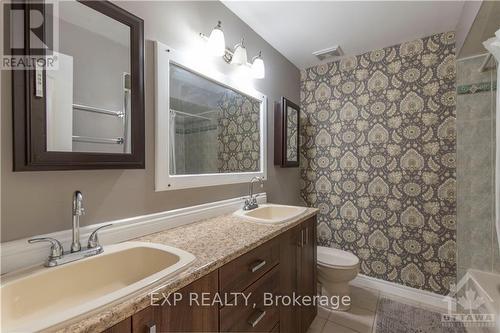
[(271, 214), (43, 297)]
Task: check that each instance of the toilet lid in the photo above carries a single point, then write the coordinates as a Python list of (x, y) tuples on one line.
[(334, 257)]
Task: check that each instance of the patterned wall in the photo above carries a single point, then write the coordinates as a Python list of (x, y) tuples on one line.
[(291, 134), (378, 160), (239, 133)]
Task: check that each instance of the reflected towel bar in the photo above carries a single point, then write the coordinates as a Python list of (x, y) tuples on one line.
[(189, 114), (91, 139), (118, 114)]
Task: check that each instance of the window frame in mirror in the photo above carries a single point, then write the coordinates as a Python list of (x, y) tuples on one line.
[(164, 181), (29, 112), (281, 133)]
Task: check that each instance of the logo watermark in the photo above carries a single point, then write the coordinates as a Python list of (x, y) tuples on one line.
[(30, 35), (267, 299), (469, 309)]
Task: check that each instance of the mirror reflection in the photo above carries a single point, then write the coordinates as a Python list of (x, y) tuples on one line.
[(88, 97), (213, 129), (291, 134)]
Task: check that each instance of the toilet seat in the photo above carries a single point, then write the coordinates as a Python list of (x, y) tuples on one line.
[(335, 258)]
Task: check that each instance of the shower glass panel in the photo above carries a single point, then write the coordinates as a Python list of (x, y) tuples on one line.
[(477, 246)]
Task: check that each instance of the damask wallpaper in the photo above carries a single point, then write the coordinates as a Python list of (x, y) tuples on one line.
[(291, 134), (238, 133), (379, 143)]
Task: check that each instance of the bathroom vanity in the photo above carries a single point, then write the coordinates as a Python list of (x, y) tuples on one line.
[(219, 259), (283, 265)]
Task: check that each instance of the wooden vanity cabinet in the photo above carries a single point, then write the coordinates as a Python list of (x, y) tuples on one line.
[(124, 326), (186, 315), (298, 275), (255, 316), (306, 271), (284, 266)]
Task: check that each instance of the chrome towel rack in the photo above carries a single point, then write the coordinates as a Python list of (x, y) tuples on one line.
[(174, 112), (87, 108), (90, 139)]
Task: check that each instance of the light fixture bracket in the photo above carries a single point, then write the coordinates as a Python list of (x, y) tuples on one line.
[(228, 56)]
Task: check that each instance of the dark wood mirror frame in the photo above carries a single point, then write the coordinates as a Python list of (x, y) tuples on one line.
[(280, 133), (29, 116)]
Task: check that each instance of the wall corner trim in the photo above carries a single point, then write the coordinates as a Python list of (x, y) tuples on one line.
[(19, 254)]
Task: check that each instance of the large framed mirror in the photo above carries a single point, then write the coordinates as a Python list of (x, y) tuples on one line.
[(86, 111), (209, 129)]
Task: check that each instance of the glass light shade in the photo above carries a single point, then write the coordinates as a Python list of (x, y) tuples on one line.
[(239, 55), (216, 42), (258, 69)]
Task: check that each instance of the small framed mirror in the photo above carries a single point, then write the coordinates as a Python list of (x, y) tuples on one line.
[(210, 129), (86, 111), (286, 133)]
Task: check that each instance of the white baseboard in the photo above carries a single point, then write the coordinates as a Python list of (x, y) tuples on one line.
[(417, 295), (19, 254)]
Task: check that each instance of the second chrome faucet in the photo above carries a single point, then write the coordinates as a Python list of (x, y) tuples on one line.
[(251, 201), (57, 254)]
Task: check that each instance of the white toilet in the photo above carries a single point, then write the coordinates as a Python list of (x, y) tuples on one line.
[(336, 268)]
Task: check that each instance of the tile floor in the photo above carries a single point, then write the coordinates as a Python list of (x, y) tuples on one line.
[(361, 317)]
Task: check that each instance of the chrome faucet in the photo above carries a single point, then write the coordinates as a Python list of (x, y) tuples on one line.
[(251, 201), (78, 211), (57, 254)]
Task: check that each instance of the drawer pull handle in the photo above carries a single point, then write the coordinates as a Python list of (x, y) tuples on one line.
[(254, 321), (151, 328), (258, 266)]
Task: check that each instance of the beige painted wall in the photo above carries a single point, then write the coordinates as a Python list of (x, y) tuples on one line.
[(40, 202)]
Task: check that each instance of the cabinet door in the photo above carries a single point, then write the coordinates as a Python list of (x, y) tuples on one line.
[(186, 315), (307, 279), (144, 321), (124, 326), (289, 316)]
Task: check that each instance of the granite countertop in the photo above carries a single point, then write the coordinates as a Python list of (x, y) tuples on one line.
[(214, 242)]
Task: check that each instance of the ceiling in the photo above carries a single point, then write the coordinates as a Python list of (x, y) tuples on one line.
[(78, 14), (298, 28), (485, 25)]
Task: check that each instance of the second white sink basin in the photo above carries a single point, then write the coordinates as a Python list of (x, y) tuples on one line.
[(37, 299), (271, 214)]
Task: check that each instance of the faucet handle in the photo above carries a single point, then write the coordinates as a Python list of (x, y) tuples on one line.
[(94, 239), (56, 248)]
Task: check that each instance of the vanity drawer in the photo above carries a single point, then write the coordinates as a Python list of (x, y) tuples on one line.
[(238, 274), (243, 317)]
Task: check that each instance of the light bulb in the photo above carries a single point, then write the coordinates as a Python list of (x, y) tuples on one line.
[(258, 68), (216, 42), (239, 55)]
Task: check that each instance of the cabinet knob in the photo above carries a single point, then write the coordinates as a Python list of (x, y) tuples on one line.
[(258, 265), (256, 317), (151, 327)]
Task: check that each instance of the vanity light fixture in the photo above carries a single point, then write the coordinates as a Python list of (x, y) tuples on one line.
[(239, 54), (216, 42), (216, 47), (258, 68)]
